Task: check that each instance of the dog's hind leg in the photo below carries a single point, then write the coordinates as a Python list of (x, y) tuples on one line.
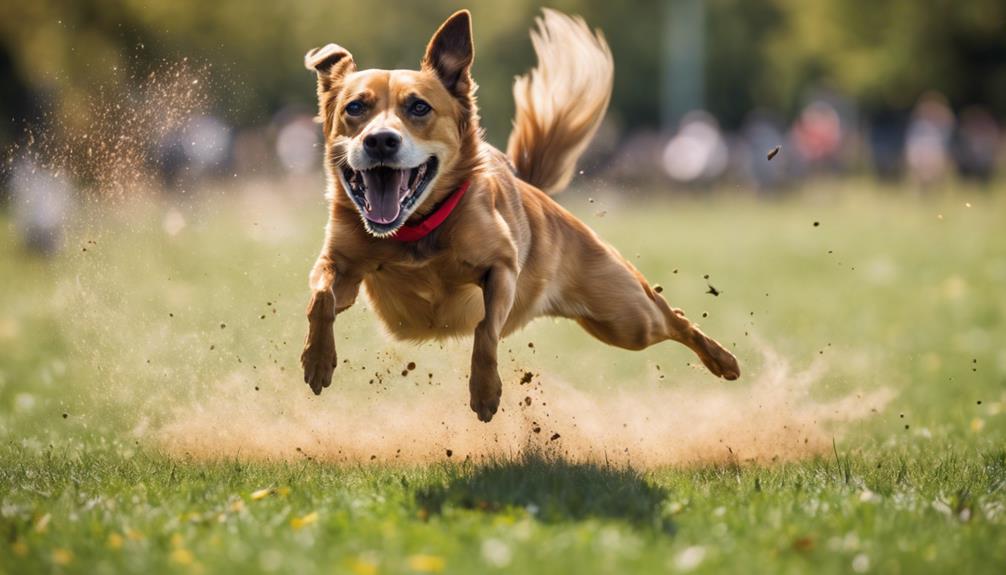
[(331, 293), (615, 304)]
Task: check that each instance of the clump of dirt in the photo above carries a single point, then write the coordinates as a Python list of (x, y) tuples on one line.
[(772, 417)]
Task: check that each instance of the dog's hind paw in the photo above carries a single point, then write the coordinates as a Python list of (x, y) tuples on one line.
[(718, 360)]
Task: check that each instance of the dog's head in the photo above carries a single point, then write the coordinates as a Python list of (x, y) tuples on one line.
[(396, 140)]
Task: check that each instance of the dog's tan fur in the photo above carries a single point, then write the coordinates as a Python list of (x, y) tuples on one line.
[(508, 253)]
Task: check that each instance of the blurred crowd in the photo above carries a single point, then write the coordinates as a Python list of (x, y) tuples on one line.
[(169, 95), (926, 146), (929, 145)]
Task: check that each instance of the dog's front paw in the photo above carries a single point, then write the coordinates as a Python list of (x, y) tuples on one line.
[(319, 361), (718, 360), (486, 388)]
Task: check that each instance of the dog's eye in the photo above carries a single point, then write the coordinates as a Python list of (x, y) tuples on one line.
[(355, 108), (419, 108)]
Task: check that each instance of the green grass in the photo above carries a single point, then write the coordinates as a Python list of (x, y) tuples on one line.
[(97, 347)]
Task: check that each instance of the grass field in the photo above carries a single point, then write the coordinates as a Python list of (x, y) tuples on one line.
[(158, 318)]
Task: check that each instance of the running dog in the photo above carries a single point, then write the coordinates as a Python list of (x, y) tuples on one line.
[(452, 237)]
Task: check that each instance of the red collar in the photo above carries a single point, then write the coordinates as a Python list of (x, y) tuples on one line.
[(416, 232)]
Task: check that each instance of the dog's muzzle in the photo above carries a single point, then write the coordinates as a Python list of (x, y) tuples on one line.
[(385, 195)]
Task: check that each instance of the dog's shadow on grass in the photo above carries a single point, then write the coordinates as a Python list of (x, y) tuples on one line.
[(553, 490)]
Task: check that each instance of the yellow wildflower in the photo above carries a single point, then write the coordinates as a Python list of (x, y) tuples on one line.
[(62, 556), (426, 563), (133, 535), (182, 556), (298, 522), (115, 541), (19, 547), (362, 566), (260, 494)]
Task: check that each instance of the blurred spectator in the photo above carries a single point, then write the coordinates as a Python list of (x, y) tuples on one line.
[(760, 135), (252, 153), (298, 144), (927, 140), (200, 148), (637, 160), (978, 144), (817, 135), (886, 140), (210, 142), (40, 199), (697, 153)]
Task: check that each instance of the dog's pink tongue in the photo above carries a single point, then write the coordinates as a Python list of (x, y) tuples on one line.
[(382, 193)]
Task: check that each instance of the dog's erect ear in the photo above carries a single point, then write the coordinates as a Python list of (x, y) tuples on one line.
[(331, 62), (450, 53)]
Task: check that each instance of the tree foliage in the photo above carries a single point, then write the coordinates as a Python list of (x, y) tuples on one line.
[(765, 54)]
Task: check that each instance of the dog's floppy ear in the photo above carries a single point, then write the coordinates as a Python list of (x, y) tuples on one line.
[(331, 62), (450, 53)]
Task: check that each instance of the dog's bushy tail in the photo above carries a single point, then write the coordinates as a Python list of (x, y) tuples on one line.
[(560, 102)]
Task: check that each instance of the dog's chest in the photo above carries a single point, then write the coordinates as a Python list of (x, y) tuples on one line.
[(426, 300)]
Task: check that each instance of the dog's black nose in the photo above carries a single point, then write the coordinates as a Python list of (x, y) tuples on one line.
[(383, 144)]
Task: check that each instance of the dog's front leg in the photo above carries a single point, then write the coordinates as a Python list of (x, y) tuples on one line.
[(331, 293), (498, 290)]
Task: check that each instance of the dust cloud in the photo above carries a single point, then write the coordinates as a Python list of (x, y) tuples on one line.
[(111, 140), (770, 418)]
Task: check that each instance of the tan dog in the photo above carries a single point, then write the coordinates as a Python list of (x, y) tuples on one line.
[(451, 236)]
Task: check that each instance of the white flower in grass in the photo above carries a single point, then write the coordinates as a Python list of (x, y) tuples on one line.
[(496, 553), (942, 507), (690, 557), (868, 496), (861, 563), (24, 402)]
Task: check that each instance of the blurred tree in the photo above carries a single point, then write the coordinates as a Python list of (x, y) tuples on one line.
[(738, 30), (764, 54), (885, 54)]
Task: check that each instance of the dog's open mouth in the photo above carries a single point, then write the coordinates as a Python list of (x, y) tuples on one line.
[(385, 196)]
